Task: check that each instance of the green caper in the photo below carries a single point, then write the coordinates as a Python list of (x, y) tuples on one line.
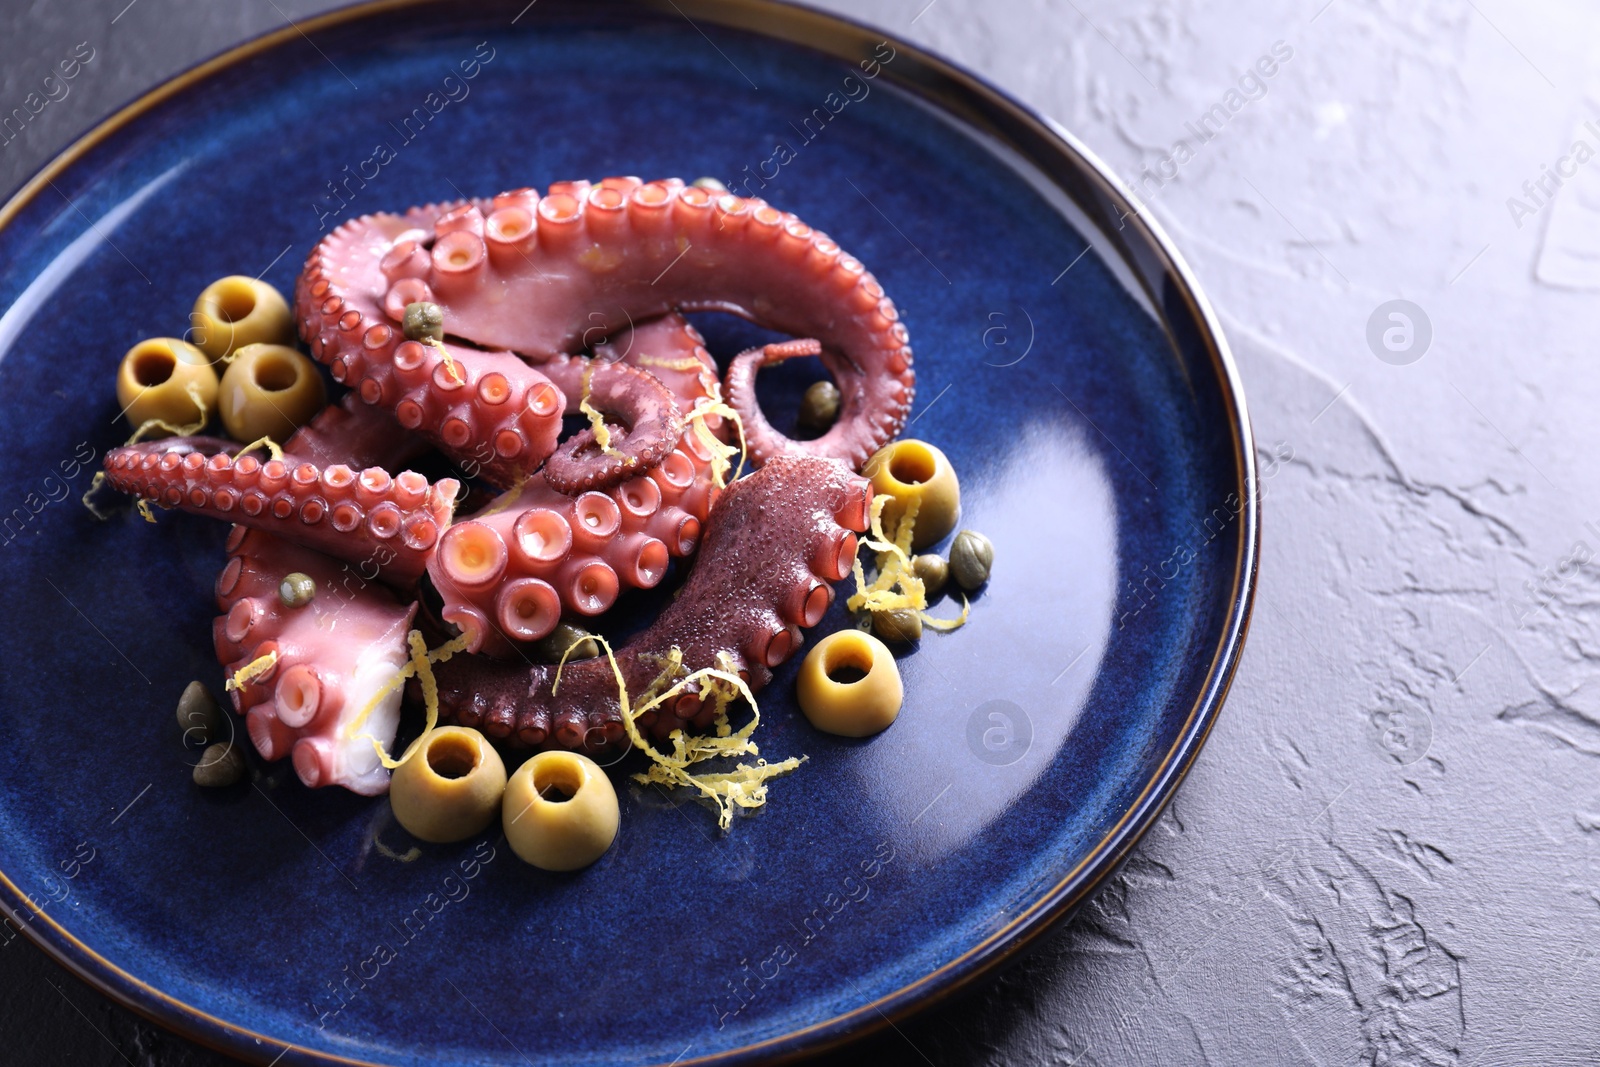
[(554, 645), (820, 406), (902, 624), (933, 571), (971, 557), (198, 715), (424, 320), (220, 765), (296, 590), (709, 184)]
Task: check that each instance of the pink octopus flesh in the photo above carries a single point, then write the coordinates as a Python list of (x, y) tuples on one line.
[(527, 285)]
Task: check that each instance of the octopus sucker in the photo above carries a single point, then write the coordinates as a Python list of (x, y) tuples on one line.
[(493, 569), (470, 328), (329, 660)]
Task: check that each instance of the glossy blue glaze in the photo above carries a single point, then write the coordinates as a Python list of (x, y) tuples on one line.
[(1101, 463)]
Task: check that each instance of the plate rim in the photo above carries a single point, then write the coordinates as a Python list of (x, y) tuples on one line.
[(778, 19)]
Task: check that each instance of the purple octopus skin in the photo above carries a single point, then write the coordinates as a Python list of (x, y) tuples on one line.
[(773, 544), (651, 427), (542, 277)]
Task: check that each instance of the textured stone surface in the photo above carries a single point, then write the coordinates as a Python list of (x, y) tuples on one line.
[(1386, 854)]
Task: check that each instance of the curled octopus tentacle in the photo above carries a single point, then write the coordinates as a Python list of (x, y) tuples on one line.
[(854, 436), (328, 659), (507, 574), (487, 410), (365, 516), (540, 276), (335, 654), (669, 348), (652, 426), (774, 542)]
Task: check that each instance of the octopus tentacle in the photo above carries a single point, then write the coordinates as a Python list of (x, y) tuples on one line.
[(365, 516), (669, 348), (487, 410), (858, 394), (652, 425), (356, 435), (506, 574), (540, 275), (541, 554), (774, 542), (525, 282), (332, 657)]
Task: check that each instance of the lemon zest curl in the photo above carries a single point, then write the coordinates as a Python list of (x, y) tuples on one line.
[(192, 390), (251, 671), (745, 785)]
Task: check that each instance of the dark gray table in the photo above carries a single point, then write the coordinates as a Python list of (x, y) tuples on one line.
[(1387, 852)]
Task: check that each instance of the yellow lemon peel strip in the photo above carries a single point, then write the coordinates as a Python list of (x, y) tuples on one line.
[(672, 669), (683, 363), (745, 786), (145, 427), (449, 363), (421, 663), (430, 684), (251, 671), (944, 626), (505, 499), (896, 587), (87, 499), (721, 453), (262, 442), (597, 421)]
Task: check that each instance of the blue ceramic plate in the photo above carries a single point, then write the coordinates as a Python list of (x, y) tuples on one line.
[(1066, 363)]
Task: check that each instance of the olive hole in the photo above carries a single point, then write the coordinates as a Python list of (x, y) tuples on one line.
[(912, 466), (153, 368), (847, 667), (276, 375), (235, 304), (556, 784), (451, 757)]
